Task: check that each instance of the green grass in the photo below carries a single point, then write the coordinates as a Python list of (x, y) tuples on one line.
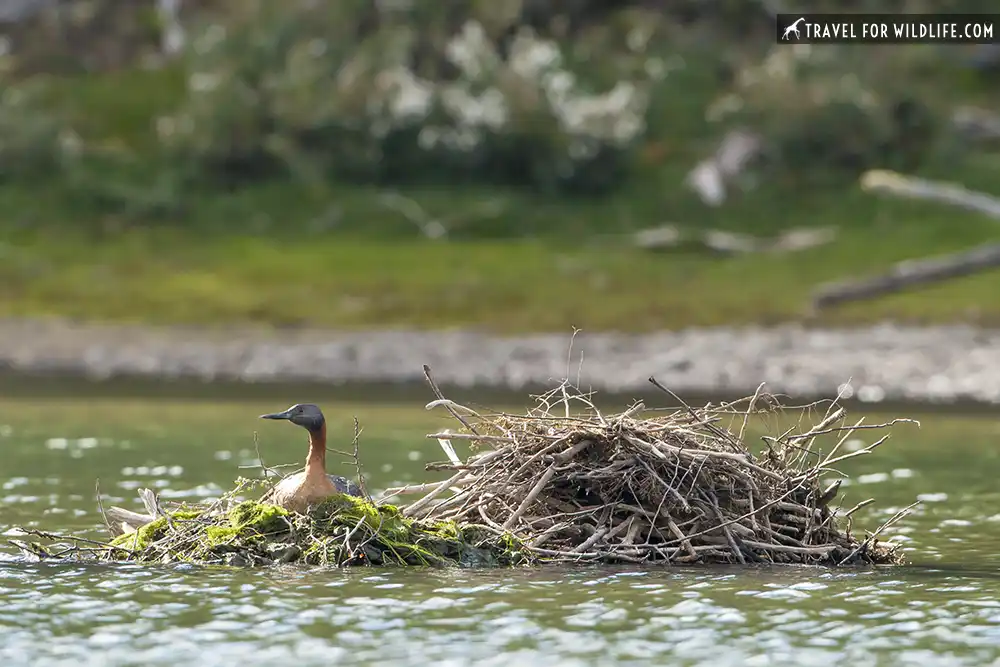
[(121, 245), (292, 276)]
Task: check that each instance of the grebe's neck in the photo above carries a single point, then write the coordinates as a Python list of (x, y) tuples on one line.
[(316, 462)]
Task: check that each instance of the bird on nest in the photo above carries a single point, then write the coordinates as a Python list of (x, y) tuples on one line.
[(296, 492)]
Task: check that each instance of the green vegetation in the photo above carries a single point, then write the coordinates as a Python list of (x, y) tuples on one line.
[(342, 531), (174, 276), (144, 536), (246, 182)]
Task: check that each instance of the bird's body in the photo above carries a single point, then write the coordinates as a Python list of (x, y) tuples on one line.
[(297, 492), (313, 485)]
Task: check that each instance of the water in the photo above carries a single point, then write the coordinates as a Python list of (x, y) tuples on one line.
[(941, 609)]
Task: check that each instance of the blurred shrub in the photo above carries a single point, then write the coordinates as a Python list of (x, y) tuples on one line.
[(33, 140), (557, 96), (834, 109), (316, 90), (81, 35)]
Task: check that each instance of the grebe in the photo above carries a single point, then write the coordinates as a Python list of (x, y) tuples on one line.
[(313, 485)]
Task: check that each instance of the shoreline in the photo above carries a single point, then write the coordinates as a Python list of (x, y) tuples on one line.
[(939, 364)]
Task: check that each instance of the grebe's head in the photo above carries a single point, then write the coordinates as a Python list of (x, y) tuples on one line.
[(306, 415)]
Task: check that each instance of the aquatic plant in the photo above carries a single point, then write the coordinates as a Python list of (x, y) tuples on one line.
[(562, 482)]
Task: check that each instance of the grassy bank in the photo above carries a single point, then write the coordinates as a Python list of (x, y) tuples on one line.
[(307, 275), (131, 231)]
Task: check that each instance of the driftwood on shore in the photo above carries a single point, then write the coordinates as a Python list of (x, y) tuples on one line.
[(912, 273), (900, 185), (732, 243)]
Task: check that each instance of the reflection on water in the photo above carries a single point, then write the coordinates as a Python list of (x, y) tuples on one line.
[(942, 610)]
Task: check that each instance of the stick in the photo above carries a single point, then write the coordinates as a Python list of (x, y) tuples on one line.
[(449, 451), (100, 506), (52, 536), (722, 435), (442, 487), (908, 274), (260, 459), (410, 488), (440, 396), (530, 498), (863, 503), (871, 538), (749, 411), (879, 180), (469, 436)]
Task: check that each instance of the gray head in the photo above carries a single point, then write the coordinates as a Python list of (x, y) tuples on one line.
[(306, 415)]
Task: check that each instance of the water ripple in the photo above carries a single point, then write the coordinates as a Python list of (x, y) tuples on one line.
[(64, 614)]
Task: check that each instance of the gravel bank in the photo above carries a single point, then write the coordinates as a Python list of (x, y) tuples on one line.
[(939, 364)]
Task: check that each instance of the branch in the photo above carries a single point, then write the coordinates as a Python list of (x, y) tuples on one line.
[(910, 273)]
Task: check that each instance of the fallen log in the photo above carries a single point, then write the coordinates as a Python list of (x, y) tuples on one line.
[(893, 183), (915, 272), (669, 237), (908, 274)]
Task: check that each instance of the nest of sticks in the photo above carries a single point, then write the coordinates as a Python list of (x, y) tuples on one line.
[(677, 486)]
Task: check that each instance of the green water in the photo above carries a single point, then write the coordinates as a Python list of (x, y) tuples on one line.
[(941, 609)]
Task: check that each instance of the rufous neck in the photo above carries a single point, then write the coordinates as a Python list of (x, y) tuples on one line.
[(317, 449)]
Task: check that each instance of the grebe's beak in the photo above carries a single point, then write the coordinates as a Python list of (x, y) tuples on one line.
[(278, 415)]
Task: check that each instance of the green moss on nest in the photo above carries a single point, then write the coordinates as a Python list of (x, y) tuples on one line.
[(143, 537), (248, 520), (344, 530), (263, 518)]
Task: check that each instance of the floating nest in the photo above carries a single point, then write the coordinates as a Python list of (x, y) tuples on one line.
[(344, 530), (562, 482)]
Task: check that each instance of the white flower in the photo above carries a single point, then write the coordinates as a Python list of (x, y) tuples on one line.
[(165, 127), (494, 108), (638, 38), (317, 48), (559, 84), (70, 143), (402, 95), (429, 137), (617, 116), (655, 69), (471, 51), (210, 38), (488, 110), (462, 139), (530, 57), (203, 82)]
